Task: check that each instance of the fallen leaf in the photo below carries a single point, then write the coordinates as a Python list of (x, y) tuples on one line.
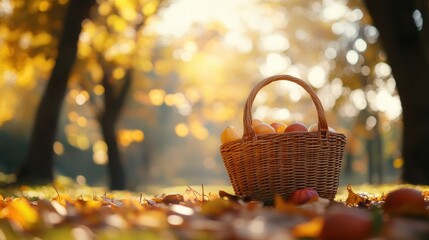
[(353, 199), (21, 213), (216, 207), (173, 199), (310, 229)]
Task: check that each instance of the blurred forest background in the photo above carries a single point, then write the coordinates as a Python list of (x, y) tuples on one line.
[(184, 69)]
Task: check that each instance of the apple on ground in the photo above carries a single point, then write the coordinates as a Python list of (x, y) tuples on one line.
[(405, 202), (303, 195), (347, 223)]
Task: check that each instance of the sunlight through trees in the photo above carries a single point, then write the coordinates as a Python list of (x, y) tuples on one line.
[(192, 65)]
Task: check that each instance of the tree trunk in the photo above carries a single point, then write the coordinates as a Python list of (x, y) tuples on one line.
[(374, 146), (112, 108), (115, 167), (406, 49), (38, 165)]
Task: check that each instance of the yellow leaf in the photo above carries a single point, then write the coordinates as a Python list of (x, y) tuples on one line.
[(310, 229), (63, 199), (21, 212), (216, 207), (90, 205)]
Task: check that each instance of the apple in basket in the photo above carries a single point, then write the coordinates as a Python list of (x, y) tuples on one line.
[(296, 127), (256, 121), (278, 126), (262, 128), (230, 134), (313, 128)]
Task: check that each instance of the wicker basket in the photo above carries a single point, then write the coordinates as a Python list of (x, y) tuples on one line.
[(263, 166)]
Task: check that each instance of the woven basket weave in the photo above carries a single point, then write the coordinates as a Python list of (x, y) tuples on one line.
[(265, 165)]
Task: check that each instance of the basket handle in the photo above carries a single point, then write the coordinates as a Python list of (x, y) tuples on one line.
[(249, 133)]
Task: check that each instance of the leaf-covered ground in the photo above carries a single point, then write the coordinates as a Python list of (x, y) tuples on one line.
[(204, 212)]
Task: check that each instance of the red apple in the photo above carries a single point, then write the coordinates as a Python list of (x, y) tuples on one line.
[(313, 127), (405, 201), (347, 223), (303, 195), (296, 127)]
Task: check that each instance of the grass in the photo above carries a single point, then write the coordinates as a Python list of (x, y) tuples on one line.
[(66, 186)]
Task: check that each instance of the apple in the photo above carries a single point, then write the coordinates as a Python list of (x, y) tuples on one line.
[(405, 202), (303, 195), (278, 126), (296, 127), (230, 134), (347, 223), (256, 121), (313, 128), (262, 128)]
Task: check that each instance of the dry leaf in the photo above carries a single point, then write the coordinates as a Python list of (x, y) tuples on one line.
[(216, 207), (353, 199), (310, 229), (21, 213)]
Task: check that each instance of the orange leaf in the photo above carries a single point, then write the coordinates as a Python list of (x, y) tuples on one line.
[(310, 229), (353, 198), (22, 213), (283, 206)]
